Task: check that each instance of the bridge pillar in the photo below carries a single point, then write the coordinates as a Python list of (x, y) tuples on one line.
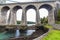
[(24, 19), (38, 22), (51, 19), (3, 18), (13, 18)]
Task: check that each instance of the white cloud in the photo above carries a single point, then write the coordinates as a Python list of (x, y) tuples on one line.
[(43, 12), (12, 1), (19, 14), (9, 2), (24, 0), (31, 15)]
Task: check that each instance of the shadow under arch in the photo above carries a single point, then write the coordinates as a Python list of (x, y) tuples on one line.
[(16, 8), (30, 7), (46, 6), (4, 11)]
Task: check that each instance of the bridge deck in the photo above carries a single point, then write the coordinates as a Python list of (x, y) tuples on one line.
[(28, 2)]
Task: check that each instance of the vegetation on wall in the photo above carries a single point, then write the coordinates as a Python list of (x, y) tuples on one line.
[(58, 17)]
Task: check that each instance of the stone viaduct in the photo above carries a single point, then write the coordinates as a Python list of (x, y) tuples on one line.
[(13, 7)]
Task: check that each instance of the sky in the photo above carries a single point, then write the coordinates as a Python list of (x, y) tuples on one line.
[(26, 0), (20, 1), (31, 14)]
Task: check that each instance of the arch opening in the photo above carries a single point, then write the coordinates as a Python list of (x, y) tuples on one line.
[(19, 16), (17, 12), (5, 11), (43, 15), (31, 17), (44, 11)]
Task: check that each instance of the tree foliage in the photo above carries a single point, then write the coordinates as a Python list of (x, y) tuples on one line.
[(44, 20)]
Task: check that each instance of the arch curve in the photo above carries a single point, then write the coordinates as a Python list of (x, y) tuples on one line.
[(15, 8), (47, 6), (4, 10), (30, 6)]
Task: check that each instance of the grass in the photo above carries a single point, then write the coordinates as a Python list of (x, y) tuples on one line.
[(52, 35), (57, 22), (48, 26)]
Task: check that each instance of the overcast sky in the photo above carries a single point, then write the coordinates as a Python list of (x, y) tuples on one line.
[(31, 14), (10, 1)]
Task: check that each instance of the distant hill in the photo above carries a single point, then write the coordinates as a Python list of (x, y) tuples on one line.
[(29, 22)]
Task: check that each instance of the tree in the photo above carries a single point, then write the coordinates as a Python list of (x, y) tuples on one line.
[(44, 20)]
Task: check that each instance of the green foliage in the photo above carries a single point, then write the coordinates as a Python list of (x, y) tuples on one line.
[(30, 22), (58, 15), (57, 22), (18, 22), (48, 26), (53, 35), (44, 20)]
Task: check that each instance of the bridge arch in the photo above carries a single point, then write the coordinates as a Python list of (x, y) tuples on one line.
[(14, 11), (25, 6), (29, 14), (50, 10), (4, 12)]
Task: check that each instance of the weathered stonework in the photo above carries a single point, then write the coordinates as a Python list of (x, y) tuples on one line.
[(13, 7)]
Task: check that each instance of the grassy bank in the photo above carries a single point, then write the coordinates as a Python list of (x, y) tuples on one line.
[(52, 35)]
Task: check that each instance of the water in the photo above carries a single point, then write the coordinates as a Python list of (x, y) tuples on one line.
[(30, 24), (7, 35), (17, 34), (29, 32)]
